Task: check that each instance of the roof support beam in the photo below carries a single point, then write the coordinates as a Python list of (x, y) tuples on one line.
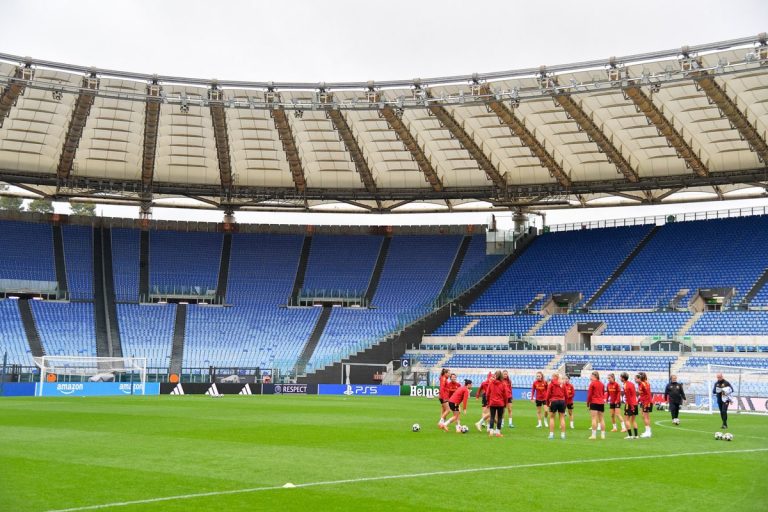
[(737, 118), (508, 117), (719, 192), (345, 132), (219, 118), (151, 122), (665, 127), (468, 143), (668, 193), (585, 122), (410, 143), (80, 114), (289, 147), (626, 196), (13, 90)]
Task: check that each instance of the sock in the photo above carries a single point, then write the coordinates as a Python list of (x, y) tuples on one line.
[(635, 432), (594, 433), (614, 425), (648, 430), (598, 428)]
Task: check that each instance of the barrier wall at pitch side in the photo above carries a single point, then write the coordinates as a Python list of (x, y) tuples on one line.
[(96, 388)]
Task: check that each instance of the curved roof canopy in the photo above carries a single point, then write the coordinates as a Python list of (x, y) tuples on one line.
[(667, 126)]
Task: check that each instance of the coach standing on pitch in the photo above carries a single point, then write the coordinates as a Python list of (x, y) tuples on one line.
[(723, 390), (674, 396)]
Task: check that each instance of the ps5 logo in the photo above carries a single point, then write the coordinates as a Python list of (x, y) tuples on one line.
[(361, 390)]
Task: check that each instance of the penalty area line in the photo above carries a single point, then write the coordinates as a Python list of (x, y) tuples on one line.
[(402, 476)]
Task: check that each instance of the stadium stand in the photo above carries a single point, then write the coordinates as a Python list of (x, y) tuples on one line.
[(626, 324), (184, 261), (125, 264), (698, 362), (341, 262), (616, 362), (475, 265), (731, 323), (699, 254), (572, 261), (66, 328), (26, 251), (146, 330), (496, 325), (13, 340), (509, 360), (78, 257)]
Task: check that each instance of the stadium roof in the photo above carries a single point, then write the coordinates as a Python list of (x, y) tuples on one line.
[(668, 126)]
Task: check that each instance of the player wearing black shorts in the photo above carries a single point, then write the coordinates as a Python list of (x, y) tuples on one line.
[(630, 410), (596, 404), (556, 402)]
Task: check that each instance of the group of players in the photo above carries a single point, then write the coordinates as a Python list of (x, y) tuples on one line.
[(553, 397)]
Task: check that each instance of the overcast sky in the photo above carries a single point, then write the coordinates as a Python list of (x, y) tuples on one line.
[(335, 40)]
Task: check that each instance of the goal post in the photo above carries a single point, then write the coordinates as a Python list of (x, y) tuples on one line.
[(750, 388), (92, 369)]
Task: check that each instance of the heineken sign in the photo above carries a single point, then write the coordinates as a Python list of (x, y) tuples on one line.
[(421, 391)]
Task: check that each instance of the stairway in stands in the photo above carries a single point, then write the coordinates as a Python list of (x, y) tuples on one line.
[(103, 332), (30, 328), (144, 267), (226, 250), (761, 281), (177, 349), (687, 325), (109, 292), (457, 261), (314, 338), (624, 264), (301, 271), (373, 284), (58, 252)]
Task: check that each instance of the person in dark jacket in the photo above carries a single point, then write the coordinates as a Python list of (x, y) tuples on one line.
[(724, 392), (674, 395)]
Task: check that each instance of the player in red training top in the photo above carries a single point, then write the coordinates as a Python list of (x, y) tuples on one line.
[(556, 403), (508, 383), (646, 401), (630, 409), (498, 398), (442, 395), (613, 394), (570, 392), (458, 398), (596, 404), (482, 392), (539, 397)]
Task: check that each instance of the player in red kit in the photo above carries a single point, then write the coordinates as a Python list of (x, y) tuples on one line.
[(630, 409), (556, 402), (443, 395), (539, 397), (646, 401), (613, 392), (457, 402), (570, 392), (596, 404), (482, 392), (508, 383), (451, 385), (498, 398)]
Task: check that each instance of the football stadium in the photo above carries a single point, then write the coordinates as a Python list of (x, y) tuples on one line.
[(365, 356)]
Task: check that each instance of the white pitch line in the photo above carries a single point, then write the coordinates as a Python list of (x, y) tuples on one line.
[(661, 424), (398, 477)]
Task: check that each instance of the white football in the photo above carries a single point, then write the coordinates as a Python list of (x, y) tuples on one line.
[(718, 436), (728, 437), (416, 427)]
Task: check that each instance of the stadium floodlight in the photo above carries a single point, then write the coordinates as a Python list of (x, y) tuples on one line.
[(93, 369)]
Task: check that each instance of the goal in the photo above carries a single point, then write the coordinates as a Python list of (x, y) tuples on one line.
[(92, 369), (750, 388)]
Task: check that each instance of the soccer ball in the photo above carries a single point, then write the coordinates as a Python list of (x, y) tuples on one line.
[(718, 436), (464, 429), (728, 437), (416, 427)]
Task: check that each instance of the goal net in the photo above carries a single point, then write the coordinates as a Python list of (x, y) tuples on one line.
[(750, 388), (92, 369)]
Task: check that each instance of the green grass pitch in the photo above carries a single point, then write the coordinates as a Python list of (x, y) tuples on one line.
[(185, 453)]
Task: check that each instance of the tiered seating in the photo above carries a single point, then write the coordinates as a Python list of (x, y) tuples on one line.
[(255, 331), (616, 362), (412, 277), (700, 362), (78, 259), (454, 325), (184, 260), (692, 255), (66, 328), (341, 262), (619, 324), (427, 360), (475, 265), (504, 325), (262, 336), (500, 361), (125, 263), (13, 339), (761, 299), (561, 262), (147, 331), (732, 323), (27, 251)]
